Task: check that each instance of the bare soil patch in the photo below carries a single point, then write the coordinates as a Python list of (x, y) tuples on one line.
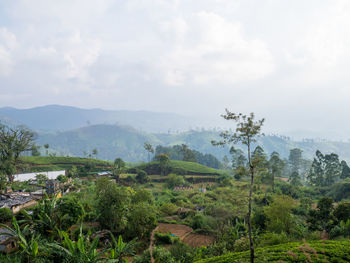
[(185, 233)]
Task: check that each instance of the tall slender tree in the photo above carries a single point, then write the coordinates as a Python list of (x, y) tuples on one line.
[(46, 146), (149, 148), (246, 132), (276, 166)]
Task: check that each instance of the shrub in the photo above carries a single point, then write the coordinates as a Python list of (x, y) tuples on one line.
[(85, 230), (5, 215), (241, 244), (142, 177), (169, 209), (178, 171), (175, 180), (269, 239), (68, 212), (203, 222), (164, 238), (181, 252)]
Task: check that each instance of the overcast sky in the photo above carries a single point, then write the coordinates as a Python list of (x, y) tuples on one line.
[(287, 61)]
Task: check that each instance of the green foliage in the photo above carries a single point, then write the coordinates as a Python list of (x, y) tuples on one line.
[(295, 160), (179, 167), (315, 251), (279, 214), (82, 250), (160, 255), (68, 212), (142, 196), (341, 190), (43, 219), (182, 253), (164, 238), (112, 204), (62, 178), (295, 179), (41, 178), (270, 239), (321, 218), (184, 153), (13, 141), (142, 177), (342, 211), (175, 180), (3, 181), (5, 215), (169, 209), (325, 169), (121, 249), (142, 219), (163, 163)]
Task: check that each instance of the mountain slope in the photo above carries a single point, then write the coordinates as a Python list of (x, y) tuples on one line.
[(114, 141), (62, 118)]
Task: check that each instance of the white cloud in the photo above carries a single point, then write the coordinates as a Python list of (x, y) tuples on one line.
[(8, 44), (209, 49), (290, 58)]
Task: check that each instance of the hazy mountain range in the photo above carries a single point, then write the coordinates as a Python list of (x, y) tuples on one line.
[(76, 132), (63, 118)]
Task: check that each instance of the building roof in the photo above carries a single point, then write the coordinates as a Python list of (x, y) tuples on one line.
[(9, 201)]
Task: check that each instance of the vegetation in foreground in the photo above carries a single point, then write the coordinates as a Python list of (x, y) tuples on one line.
[(115, 218)]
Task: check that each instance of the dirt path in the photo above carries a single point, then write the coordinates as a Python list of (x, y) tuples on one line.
[(151, 244)]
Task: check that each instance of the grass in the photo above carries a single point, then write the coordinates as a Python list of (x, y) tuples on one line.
[(194, 168), (41, 160), (188, 168), (49, 163)]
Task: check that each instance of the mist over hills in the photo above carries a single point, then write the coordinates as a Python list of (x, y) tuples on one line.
[(64, 118), (74, 131), (114, 141)]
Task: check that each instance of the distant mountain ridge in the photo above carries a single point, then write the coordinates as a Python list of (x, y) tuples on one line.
[(64, 118), (74, 131)]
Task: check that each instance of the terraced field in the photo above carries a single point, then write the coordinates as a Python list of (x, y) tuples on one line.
[(185, 233)]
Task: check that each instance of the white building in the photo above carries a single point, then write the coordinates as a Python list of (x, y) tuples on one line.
[(31, 176)]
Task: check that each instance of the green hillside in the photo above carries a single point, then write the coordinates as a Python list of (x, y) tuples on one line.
[(111, 141), (315, 251), (114, 141), (48, 163), (188, 168)]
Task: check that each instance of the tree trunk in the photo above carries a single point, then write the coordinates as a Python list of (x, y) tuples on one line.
[(251, 245)]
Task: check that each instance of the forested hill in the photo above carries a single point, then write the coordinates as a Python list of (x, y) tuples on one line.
[(113, 141)]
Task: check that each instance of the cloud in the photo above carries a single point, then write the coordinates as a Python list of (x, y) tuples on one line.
[(8, 44), (208, 49), (287, 61)]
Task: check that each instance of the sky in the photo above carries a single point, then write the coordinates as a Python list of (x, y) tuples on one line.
[(287, 61)]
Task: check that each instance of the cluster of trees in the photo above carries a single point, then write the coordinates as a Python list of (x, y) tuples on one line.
[(13, 142), (327, 169), (55, 231), (184, 153)]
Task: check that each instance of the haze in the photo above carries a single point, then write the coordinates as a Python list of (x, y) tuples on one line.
[(286, 61)]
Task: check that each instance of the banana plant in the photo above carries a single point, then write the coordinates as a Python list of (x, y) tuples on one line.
[(120, 249), (28, 247), (44, 217), (82, 250)]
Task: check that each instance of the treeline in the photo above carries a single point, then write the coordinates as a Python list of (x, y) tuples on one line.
[(184, 153), (324, 170)]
